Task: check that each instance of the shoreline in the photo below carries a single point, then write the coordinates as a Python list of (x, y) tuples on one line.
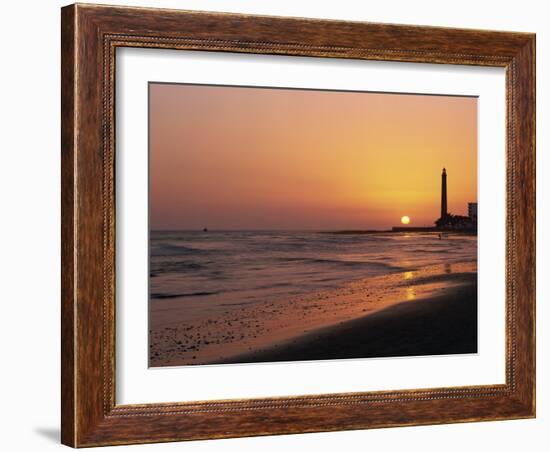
[(402, 230), (218, 332), (438, 325)]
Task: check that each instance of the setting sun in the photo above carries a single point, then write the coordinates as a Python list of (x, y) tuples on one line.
[(405, 219)]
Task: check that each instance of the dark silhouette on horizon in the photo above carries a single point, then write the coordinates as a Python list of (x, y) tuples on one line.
[(448, 221), (444, 194)]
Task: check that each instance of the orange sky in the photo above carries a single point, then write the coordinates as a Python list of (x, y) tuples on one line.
[(257, 158)]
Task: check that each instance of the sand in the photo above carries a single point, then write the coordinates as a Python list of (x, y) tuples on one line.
[(432, 310), (439, 325)]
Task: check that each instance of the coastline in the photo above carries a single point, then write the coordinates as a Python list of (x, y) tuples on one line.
[(402, 230), (438, 325), (322, 325)]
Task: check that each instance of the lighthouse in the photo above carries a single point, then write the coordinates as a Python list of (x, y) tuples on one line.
[(444, 194)]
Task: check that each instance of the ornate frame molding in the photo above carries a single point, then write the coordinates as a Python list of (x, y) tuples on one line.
[(90, 37)]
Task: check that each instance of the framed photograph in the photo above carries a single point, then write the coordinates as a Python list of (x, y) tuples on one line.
[(281, 225)]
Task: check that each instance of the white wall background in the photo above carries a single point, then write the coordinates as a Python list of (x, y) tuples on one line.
[(29, 224)]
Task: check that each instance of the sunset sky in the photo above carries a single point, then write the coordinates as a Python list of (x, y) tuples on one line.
[(260, 158)]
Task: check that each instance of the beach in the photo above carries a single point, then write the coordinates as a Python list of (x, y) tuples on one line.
[(405, 307), (441, 324)]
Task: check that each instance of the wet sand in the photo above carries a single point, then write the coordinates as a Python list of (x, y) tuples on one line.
[(439, 325), (432, 310)]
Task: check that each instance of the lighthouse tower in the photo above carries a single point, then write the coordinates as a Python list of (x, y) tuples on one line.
[(444, 194)]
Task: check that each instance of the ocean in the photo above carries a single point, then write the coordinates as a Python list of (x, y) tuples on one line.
[(244, 267)]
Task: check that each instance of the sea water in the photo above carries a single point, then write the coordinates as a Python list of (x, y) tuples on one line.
[(242, 267)]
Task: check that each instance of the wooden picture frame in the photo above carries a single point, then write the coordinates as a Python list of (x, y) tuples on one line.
[(90, 36)]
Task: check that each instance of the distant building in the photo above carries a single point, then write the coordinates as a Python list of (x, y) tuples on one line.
[(448, 221), (455, 222), (444, 212), (472, 212)]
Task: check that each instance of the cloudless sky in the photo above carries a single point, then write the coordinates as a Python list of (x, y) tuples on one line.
[(260, 158)]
